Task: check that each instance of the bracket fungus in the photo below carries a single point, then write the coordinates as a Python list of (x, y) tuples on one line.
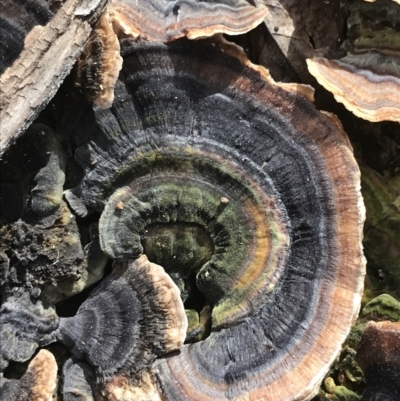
[(132, 317), (378, 355), (165, 21), (369, 95), (249, 198), (24, 326), (367, 79), (37, 384), (100, 62), (224, 198)]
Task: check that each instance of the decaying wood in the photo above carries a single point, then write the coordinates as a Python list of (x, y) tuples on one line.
[(49, 54)]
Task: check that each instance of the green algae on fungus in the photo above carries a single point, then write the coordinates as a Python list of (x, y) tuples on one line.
[(232, 234), (257, 195), (342, 393)]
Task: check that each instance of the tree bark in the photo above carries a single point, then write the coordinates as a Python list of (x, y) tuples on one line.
[(49, 53)]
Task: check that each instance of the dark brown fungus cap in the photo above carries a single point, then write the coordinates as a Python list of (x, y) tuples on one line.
[(132, 317), (378, 355), (79, 381), (17, 18), (37, 384), (266, 190), (164, 21), (24, 326)]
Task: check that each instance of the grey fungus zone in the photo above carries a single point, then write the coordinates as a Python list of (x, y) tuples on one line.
[(79, 381), (24, 326), (280, 265)]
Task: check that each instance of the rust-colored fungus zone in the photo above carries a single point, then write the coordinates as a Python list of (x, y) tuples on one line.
[(165, 21), (267, 190), (99, 64)]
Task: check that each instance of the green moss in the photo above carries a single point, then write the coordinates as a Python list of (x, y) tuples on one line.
[(194, 329), (383, 307), (382, 233), (355, 335), (342, 393)]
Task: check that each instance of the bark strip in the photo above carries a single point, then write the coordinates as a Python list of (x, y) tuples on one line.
[(49, 54)]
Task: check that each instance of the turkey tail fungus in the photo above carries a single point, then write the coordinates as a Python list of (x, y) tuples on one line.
[(255, 182), (37, 384), (222, 197), (367, 79)]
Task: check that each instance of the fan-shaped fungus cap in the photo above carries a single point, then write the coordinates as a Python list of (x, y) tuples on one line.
[(23, 327), (368, 95), (378, 355), (37, 384), (197, 143), (367, 79), (132, 317), (164, 21)]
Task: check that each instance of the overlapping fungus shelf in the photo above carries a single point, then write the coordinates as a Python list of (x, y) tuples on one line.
[(248, 197), (369, 95), (367, 79), (165, 21)]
